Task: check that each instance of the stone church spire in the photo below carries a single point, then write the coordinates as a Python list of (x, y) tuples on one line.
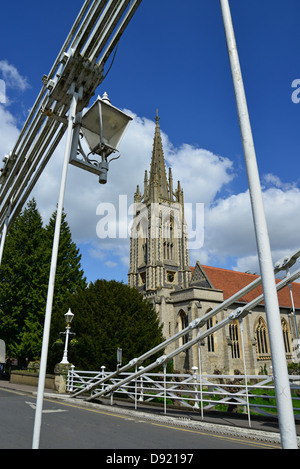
[(158, 183), (159, 253)]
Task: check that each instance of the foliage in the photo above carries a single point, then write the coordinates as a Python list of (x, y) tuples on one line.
[(24, 277), (108, 315), (294, 368)]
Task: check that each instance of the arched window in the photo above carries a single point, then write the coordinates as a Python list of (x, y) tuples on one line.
[(142, 242), (286, 336), (183, 322), (210, 338), (168, 239), (234, 340), (262, 340)]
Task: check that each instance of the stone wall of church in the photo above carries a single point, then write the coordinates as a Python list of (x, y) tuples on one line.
[(234, 348), (231, 349)]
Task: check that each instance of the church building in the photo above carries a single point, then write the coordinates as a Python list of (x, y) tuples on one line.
[(160, 269)]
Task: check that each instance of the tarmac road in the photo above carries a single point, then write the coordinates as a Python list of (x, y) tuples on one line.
[(72, 425)]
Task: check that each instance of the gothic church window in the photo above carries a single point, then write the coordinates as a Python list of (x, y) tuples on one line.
[(262, 340), (210, 338), (286, 336), (183, 322), (168, 236), (234, 340), (144, 247), (142, 243)]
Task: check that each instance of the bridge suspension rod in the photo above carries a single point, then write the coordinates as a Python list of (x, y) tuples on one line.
[(236, 314), (97, 28), (200, 322)]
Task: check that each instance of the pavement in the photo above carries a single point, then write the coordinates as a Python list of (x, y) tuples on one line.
[(226, 423)]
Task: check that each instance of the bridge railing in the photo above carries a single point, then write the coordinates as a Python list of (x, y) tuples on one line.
[(200, 393)]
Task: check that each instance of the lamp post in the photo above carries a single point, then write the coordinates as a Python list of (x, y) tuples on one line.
[(111, 125), (68, 318)]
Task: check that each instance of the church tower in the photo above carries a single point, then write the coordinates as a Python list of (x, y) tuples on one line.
[(159, 254)]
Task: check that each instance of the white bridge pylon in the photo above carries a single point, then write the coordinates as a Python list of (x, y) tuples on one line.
[(81, 60)]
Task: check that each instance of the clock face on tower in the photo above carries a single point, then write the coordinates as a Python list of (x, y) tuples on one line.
[(170, 277)]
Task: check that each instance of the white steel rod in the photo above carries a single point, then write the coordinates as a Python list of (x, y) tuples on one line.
[(245, 369), (283, 395), (134, 5), (37, 172), (293, 305), (107, 16), (190, 343), (200, 373), (109, 28), (194, 324), (73, 32), (48, 313), (4, 232), (87, 24)]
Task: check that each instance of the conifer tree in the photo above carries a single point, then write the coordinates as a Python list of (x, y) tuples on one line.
[(22, 284), (24, 276), (69, 276), (69, 279), (109, 315)]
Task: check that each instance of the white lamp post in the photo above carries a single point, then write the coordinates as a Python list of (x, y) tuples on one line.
[(68, 318)]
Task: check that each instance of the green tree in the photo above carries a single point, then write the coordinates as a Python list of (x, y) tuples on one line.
[(108, 315), (69, 279), (22, 284), (24, 275)]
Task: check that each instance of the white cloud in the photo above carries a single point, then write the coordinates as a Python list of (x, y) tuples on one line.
[(206, 172), (229, 229), (9, 132), (111, 264), (202, 174), (271, 180), (205, 177), (229, 232), (12, 77)]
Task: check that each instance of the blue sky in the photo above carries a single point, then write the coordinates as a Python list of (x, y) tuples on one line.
[(174, 58)]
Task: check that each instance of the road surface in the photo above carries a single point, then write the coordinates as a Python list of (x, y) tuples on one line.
[(73, 426)]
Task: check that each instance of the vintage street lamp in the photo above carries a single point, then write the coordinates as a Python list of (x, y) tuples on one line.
[(103, 127), (68, 318)]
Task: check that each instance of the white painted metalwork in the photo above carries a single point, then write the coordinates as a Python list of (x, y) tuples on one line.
[(67, 90), (68, 318), (103, 384), (239, 313), (190, 391), (285, 408), (81, 60), (47, 322)]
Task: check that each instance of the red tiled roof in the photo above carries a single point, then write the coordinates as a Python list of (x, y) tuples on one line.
[(230, 282)]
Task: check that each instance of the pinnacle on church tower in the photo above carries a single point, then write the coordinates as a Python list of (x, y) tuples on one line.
[(158, 183)]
